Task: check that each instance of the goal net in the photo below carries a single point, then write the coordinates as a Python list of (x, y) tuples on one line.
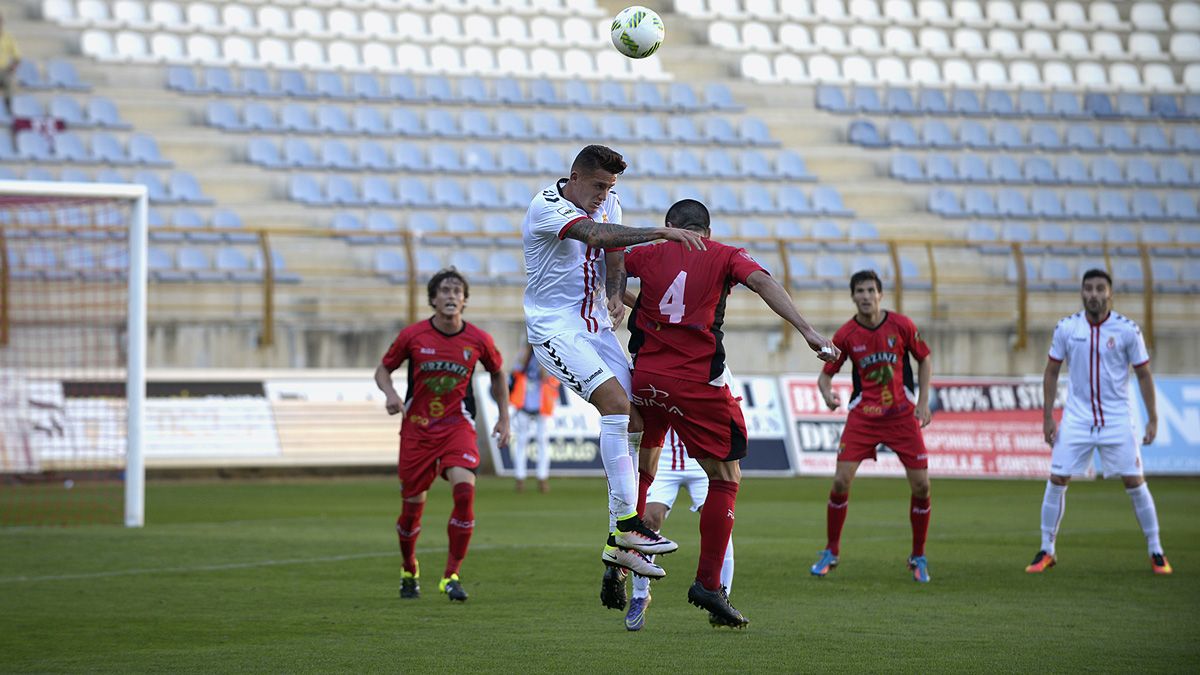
[(72, 353)]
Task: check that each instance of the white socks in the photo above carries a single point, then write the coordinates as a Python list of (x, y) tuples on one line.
[(1147, 516), (543, 448), (641, 585), (618, 467), (520, 423), (1054, 502)]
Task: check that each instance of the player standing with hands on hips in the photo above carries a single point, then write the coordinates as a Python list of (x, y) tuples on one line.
[(437, 435), (575, 264), (1099, 346), (883, 410)]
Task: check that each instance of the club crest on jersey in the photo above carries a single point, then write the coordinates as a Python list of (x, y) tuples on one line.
[(891, 340), (466, 353), (1112, 342)]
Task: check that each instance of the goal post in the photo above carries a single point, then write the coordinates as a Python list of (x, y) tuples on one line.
[(66, 249)]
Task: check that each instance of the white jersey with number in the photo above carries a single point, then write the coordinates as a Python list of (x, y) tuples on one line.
[(565, 291), (1099, 357)]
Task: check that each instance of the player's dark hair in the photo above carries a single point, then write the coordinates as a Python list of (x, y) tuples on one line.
[(865, 275), (444, 274), (1096, 273), (595, 157), (689, 214)]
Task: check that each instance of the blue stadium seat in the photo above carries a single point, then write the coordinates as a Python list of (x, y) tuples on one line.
[(864, 133), (512, 125), (933, 102), (977, 202), (1088, 238), (449, 193), (940, 168), (945, 203), (612, 95), (259, 117), (71, 175), (754, 131), (279, 269), (1011, 203), (719, 130), (61, 75), (1152, 138), (907, 168), (757, 199), (1181, 206), (1140, 171), (998, 102), (66, 109), (144, 150), (184, 187), (760, 230), (1005, 169), (579, 95), (866, 234), (1165, 106), (105, 148), (514, 159), (1127, 275), (297, 118), (376, 191), (654, 198), (984, 234), (965, 102), (26, 105), (649, 129), (788, 166), (443, 157), (972, 134), (792, 201), (831, 98), (800, 274), (403, 88), (439, 90), (1106, 171), (1039, 170), (1174, 172), (29, 77), (330, 85), (256, 82), (1082, 137), (1032, 104), (935, 134), (1132, 106), (1190, 276), (294, 84), (1146, 206), (365, 87), (186, 218), (182, 79), (828, 201), (408, 157), (685, 163), (438, 122), (1045, 137), (480, 158), (413, 192), (1099, 105), (648, 97), (754, 164), (69, 148), (830, 271), (477, 124), (1045, 204), (1079, 204), (723, 199), (682, 97), (305, 189), (235, 266), (230, 225), (1123, 238), (833, 237), (369, 121), (335, 154), (505, 268), (649, 162), (1113, 205), (474, 91), (1187, 139), (222, 115), (866, 100), (1073, 171), (509, 92), (40, 174), (898, 101), (298, 154), (372, 156), (1065, 104), (1008, 136), (1013, 232), (718, 97), (581, 127), (195, 263), (1116, 138), (718, 163), (102, 112), (332, 119), (546, 126)]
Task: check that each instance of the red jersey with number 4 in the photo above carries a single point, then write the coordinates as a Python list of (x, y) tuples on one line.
[(439, 399), (883, 376), (676, 322)]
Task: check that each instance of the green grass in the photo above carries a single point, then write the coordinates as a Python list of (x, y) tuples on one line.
[(296, 576)]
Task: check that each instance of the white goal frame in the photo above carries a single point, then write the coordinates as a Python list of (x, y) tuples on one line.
[(135, 379)]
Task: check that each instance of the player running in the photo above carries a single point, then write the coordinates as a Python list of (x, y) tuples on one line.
[(437, 435), (882, 411), (574, 260), (678, 377), (1097, 416), (675, 471)]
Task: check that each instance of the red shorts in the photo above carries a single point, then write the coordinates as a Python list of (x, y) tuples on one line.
[(707, 419), (424, 458), (902, 434)]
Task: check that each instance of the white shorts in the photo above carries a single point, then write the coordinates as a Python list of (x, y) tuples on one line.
[(584, 361), (665, 487), (1120, 451)]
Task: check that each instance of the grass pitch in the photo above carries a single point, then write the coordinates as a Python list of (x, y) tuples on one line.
[(302, 576)]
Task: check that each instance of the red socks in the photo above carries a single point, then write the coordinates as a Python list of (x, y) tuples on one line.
[(716, 524), (644, 481), (460, 527), (835, 518), (408, 528), (919, 515)]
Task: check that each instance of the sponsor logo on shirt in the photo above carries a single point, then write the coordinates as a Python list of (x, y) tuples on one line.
[(449, 366), (428, 350), (859, 348), (878, 357)]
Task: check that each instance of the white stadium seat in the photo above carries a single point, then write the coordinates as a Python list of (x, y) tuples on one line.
[(757, 67), (578, 63), (274, 19), (924, 71), (958, 72), (546, 62), (412, 25), (203, 48), (1069, 13), (991, 72), (166, 14), (238, 50), (308, 53), (166, 47), (545, 28), (479, 29), (1159, 76), (512, 30), (377, 55), (511, 61), (93, 12), (1036, 13), (1037, 42), (1003, 41), (898, 10), (1057, 74), (479, 60), (1148, 15), (1191, 78), (794, 36), (796, 9), (1002, 12), (724, 34), (1145, 45), (758, 36), (727, 9), (1073, 42), (934, 40), (823, 68), (967, 11), (378, 24), (858, 69), (203, 15), (1124, 76), (1107, 44), (445, 27), (891, 70), (309, 20), (412, 58), (1089, 74), (969, 41), (344, 22), (898, 39), (829, 38), (763, 9), (61, 11), (1104, 13), (789, 68), (96, 44), (580, 31), (864, 38), (271, 51), (1185, 46), (132, 12), (1185, 15), (1024, 73), (344, 54), (933, 11), (864, 10), (131, 46), (829, 9), (445, 59), (694, 8)]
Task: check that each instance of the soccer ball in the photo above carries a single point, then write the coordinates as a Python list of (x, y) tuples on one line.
[(637, 32)]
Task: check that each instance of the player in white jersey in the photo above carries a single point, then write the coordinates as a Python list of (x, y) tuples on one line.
[(1099, 346), (675, 470), (574, 260)]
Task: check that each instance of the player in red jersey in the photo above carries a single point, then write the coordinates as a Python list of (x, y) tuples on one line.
[(882, 411), (678, 376), (437, 435)]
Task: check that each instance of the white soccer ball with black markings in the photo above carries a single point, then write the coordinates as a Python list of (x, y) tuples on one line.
[(637, 32)]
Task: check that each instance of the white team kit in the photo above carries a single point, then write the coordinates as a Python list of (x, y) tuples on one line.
[(565, 309), (1098, 415)]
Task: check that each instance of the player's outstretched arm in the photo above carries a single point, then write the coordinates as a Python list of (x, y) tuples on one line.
[(500, 394), (924, 375), (1146, 385), (383, 380), (825, 386), (1049, 393), (612, 235), (776, 296)]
